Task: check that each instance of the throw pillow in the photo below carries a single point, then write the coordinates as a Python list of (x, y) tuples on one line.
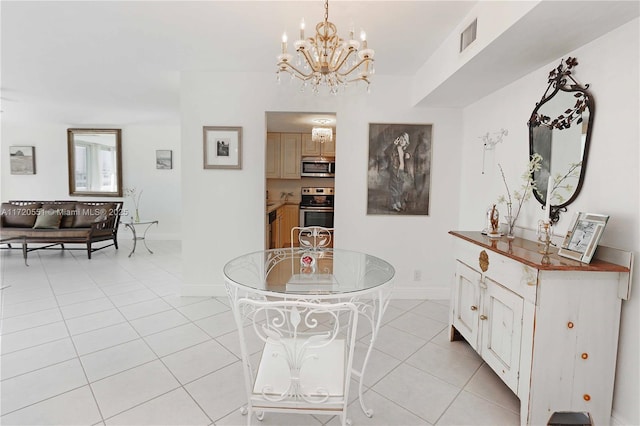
[(19, 216), (48, 219), (86, 214), (68, 212)]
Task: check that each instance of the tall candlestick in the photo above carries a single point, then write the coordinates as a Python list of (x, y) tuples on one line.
[(549, 193)]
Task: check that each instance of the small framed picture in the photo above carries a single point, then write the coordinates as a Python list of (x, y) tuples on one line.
[(222, 147), (22, 160), (583, 235), (164, 159)]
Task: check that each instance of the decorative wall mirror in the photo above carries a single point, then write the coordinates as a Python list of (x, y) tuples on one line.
[(95, 162), (560, 131)]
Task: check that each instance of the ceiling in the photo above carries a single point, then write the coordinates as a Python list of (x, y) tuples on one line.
[(86, 63)]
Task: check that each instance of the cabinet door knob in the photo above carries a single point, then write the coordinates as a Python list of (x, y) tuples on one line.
[(474, 308), (483, 317)]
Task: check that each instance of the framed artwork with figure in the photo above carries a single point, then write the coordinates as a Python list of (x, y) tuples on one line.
[(399, 169)]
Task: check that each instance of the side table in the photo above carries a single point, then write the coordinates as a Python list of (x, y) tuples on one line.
[(132, 225)]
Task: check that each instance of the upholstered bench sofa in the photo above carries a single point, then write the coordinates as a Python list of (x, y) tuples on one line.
[(58, 222)]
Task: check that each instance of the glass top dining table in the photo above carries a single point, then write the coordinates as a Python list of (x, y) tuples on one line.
[(320, 275), (321, 272)]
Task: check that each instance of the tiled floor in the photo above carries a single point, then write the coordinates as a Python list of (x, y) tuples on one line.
[(110, 341)]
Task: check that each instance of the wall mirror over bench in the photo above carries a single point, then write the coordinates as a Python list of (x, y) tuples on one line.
[(95, 162)]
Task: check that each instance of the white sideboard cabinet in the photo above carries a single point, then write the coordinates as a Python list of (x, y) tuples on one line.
[(548, 328)]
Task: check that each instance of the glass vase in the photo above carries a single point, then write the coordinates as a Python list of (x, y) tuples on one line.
[(137, 218), (511, 222)]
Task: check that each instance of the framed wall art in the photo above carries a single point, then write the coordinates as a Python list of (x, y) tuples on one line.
[(399, 170), (22, 160), (583, 235), (164, 159), (222, 147)]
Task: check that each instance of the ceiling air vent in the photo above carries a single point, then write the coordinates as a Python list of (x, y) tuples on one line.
[(468, 35)]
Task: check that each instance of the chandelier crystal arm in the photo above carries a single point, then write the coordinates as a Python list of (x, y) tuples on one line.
[(353, 68), (312, 63), (301, 75)]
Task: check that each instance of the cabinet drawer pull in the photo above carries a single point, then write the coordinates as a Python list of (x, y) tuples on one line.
[(585, 355), (474, 308), (569, 324), (483, 317), (586, 397)]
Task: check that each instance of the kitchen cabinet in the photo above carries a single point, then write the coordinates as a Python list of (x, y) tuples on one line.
[(290, 155), (290, 219), (272, 167), (283, 156), (276, 230), (286, 217), (317, 149), (549, 329)]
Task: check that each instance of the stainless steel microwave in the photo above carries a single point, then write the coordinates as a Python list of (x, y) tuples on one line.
[(318, 167)]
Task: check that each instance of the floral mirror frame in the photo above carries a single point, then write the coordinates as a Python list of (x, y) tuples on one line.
[(95, 162), (565, 116)]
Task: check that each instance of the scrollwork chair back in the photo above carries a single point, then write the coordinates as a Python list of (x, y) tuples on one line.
[(311, 237)]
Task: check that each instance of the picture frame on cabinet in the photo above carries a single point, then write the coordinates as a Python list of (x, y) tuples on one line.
[(164, 159), (399, 169), (22, 160), (583, 236), (222, 147)]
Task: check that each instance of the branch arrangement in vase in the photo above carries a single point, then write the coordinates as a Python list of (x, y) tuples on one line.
[(135, 196), (521, 195)]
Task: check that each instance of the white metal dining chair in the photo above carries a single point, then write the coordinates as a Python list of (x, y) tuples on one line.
[(307, 358), (311, 237)]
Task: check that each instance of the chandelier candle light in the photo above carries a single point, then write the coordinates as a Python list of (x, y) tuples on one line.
[(323, 60)]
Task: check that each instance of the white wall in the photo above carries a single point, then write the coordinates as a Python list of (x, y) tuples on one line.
[(610, 65), (161, 197), (224, 209)]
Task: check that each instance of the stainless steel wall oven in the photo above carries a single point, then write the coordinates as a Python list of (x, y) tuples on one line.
[(316, 207)]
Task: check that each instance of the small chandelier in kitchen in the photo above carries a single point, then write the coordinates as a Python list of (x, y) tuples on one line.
[(326, 59), (321, 134)]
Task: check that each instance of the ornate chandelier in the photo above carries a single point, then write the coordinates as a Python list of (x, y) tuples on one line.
[(326, 59), (321, 134)]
